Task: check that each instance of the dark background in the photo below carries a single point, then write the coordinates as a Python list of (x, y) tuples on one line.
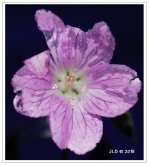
[(26, 138)]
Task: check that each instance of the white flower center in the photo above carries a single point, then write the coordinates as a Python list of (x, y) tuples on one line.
[(70, 83)]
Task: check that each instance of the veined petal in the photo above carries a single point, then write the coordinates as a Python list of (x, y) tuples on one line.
[(33, 86), (87, 130), (61, 39), (60, 121), (72, 127), (48, 22), (51, 26), (39, 64), (71, 46), (100, 45), (33, 103), (112, 90), (63, 48)]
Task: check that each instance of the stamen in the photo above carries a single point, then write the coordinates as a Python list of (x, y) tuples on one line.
[(67, 73), (63, 91), (78, 79), (75, 91)]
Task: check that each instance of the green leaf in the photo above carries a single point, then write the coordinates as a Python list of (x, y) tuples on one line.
[(125, 124)]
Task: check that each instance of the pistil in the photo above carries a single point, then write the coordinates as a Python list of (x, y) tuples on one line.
[(70, 80)]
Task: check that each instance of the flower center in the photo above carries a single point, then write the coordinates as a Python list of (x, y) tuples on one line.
[(69, 83)]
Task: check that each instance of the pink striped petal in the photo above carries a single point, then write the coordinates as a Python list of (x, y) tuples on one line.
[(86, 132), (112, 90), (39, 63), (60, 121), (100, 45), (72, 127), (48, 22), (70, 46), (33, 103), (33, 85)]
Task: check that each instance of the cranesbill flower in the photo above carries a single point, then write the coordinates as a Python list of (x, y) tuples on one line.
[(73, 83)]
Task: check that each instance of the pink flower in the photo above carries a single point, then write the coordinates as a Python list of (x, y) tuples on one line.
[(74, 84)]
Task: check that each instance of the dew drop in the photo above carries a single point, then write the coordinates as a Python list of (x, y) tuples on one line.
[(54, 86)]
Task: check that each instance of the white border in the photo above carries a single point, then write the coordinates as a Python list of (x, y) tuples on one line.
[(2, 8)]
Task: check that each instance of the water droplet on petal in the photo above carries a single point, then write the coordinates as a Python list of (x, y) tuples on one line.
[(54, 86)]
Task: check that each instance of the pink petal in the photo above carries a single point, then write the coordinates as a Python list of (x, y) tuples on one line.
[(60, 121), (72, 127), (66, 52), (60, 38), (33, 103), (48, 22), (33, 85), (86, 132), (39, 63), (100, 45), (113, 89), (70, 46)]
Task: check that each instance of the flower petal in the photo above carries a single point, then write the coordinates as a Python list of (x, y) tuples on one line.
[(87, 130), (33, 103), (71, 46), (60, 38), (73, 127), (48, 22), (112, 89), (51, 26), (33, 86), (60, 121), (66, 48), (100, 45), (39, 63)]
